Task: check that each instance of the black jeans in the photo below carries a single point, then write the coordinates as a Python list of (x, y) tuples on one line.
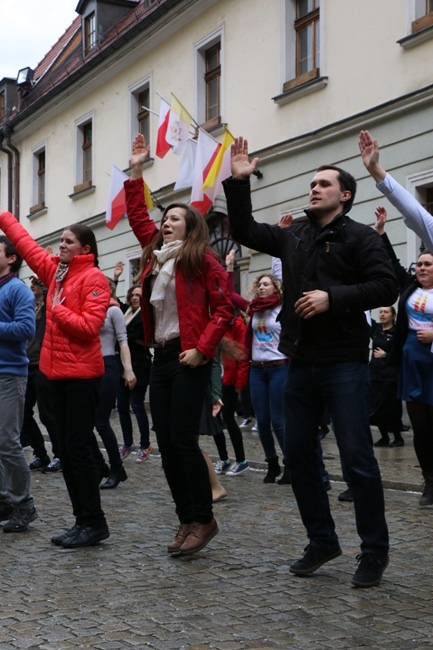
[(107, 399), (74, 408), (177, 395), (38, 392), (230, 399)]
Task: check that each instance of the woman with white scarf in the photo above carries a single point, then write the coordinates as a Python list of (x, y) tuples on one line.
[(186, 310)]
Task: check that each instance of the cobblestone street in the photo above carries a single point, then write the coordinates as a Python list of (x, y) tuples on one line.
[(238, 592)]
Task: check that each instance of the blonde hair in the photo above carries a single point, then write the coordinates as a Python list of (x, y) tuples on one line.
[(277, 284)]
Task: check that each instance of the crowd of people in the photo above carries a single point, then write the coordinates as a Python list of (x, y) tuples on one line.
[(301, 345)]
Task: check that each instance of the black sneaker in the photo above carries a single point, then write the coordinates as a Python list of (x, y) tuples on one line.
[(38, 463), (5, 512), (370, 569), (313, 558), (347, 495), (19, 520), (54, 466)]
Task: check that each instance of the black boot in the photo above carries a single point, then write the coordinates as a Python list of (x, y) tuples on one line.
[(398, 440), (427, 492), (285, 479), (103, 471), (114, 479), (274, 469)]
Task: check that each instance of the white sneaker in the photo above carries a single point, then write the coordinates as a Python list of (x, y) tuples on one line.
[(245, 423)]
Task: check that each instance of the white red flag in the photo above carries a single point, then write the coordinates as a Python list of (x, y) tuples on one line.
[(162, 146), (116, 207), (207, 151), (220, 169)]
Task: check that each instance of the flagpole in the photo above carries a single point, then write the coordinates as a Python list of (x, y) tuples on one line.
[(162, 97), (192, 119), (145, 108)]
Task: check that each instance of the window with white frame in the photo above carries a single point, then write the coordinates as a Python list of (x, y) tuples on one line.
[(302, 42), (39, 175), (89, 32), (84, 161), (209, 62), (423, 14), (140, 116)]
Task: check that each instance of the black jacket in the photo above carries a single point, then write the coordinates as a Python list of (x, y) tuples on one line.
[(382, 368), (345, 258)]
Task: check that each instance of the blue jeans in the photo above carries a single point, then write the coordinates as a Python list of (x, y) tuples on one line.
[(266, 387), (344, 387)]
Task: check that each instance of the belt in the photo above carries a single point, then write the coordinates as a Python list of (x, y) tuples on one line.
[(166, 344), (269, 364)]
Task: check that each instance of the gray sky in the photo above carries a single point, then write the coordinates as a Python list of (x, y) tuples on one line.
[(29, 29)]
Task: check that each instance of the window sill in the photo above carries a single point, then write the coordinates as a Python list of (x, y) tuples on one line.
[(302, 90), (149, 162), (215, 126), (415, 39), (82, 190), (37, 211)]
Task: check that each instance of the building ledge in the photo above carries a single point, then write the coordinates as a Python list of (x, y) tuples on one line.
[(82, 190), (301, 91), (407, 42), (37, 211)]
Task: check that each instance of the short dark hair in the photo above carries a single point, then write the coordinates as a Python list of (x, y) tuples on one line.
[(9, 251), (86, 237), (347, 182)]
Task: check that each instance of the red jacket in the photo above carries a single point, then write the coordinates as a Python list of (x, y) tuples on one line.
[(236, 372), (71, 346), (203, 302)]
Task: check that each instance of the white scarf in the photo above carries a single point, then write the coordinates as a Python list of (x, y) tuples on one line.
[(130, 314), (164, 271)]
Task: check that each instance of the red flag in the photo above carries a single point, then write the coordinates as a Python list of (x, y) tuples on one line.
[(162, 146), (116, 207)]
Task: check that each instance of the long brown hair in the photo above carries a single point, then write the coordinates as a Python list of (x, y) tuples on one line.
[(195, 244)]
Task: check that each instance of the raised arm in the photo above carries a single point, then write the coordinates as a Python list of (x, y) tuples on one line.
[(414, 214), (143, 226), (369, 148), (139, 155), (241, 165)]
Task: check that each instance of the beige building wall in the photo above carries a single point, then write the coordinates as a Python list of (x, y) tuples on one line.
[(369, 74)]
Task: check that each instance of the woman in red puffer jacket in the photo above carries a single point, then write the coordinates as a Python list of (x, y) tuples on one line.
[(77, 301)]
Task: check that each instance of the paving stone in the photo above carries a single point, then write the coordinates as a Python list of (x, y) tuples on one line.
[(238, 593)]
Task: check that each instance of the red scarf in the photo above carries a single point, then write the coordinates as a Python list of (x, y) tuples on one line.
[(258, 304)]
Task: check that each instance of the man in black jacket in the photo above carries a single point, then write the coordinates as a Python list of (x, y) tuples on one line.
[(334, 269)]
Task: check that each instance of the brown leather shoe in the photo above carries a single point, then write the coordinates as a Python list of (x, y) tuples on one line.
[(199, 535), (181, 535)]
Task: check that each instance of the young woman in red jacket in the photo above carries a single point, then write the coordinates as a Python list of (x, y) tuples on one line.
[(77, 301), (186, 310)]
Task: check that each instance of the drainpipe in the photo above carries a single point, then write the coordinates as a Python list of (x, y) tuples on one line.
[(9, 155), (16, 175)]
